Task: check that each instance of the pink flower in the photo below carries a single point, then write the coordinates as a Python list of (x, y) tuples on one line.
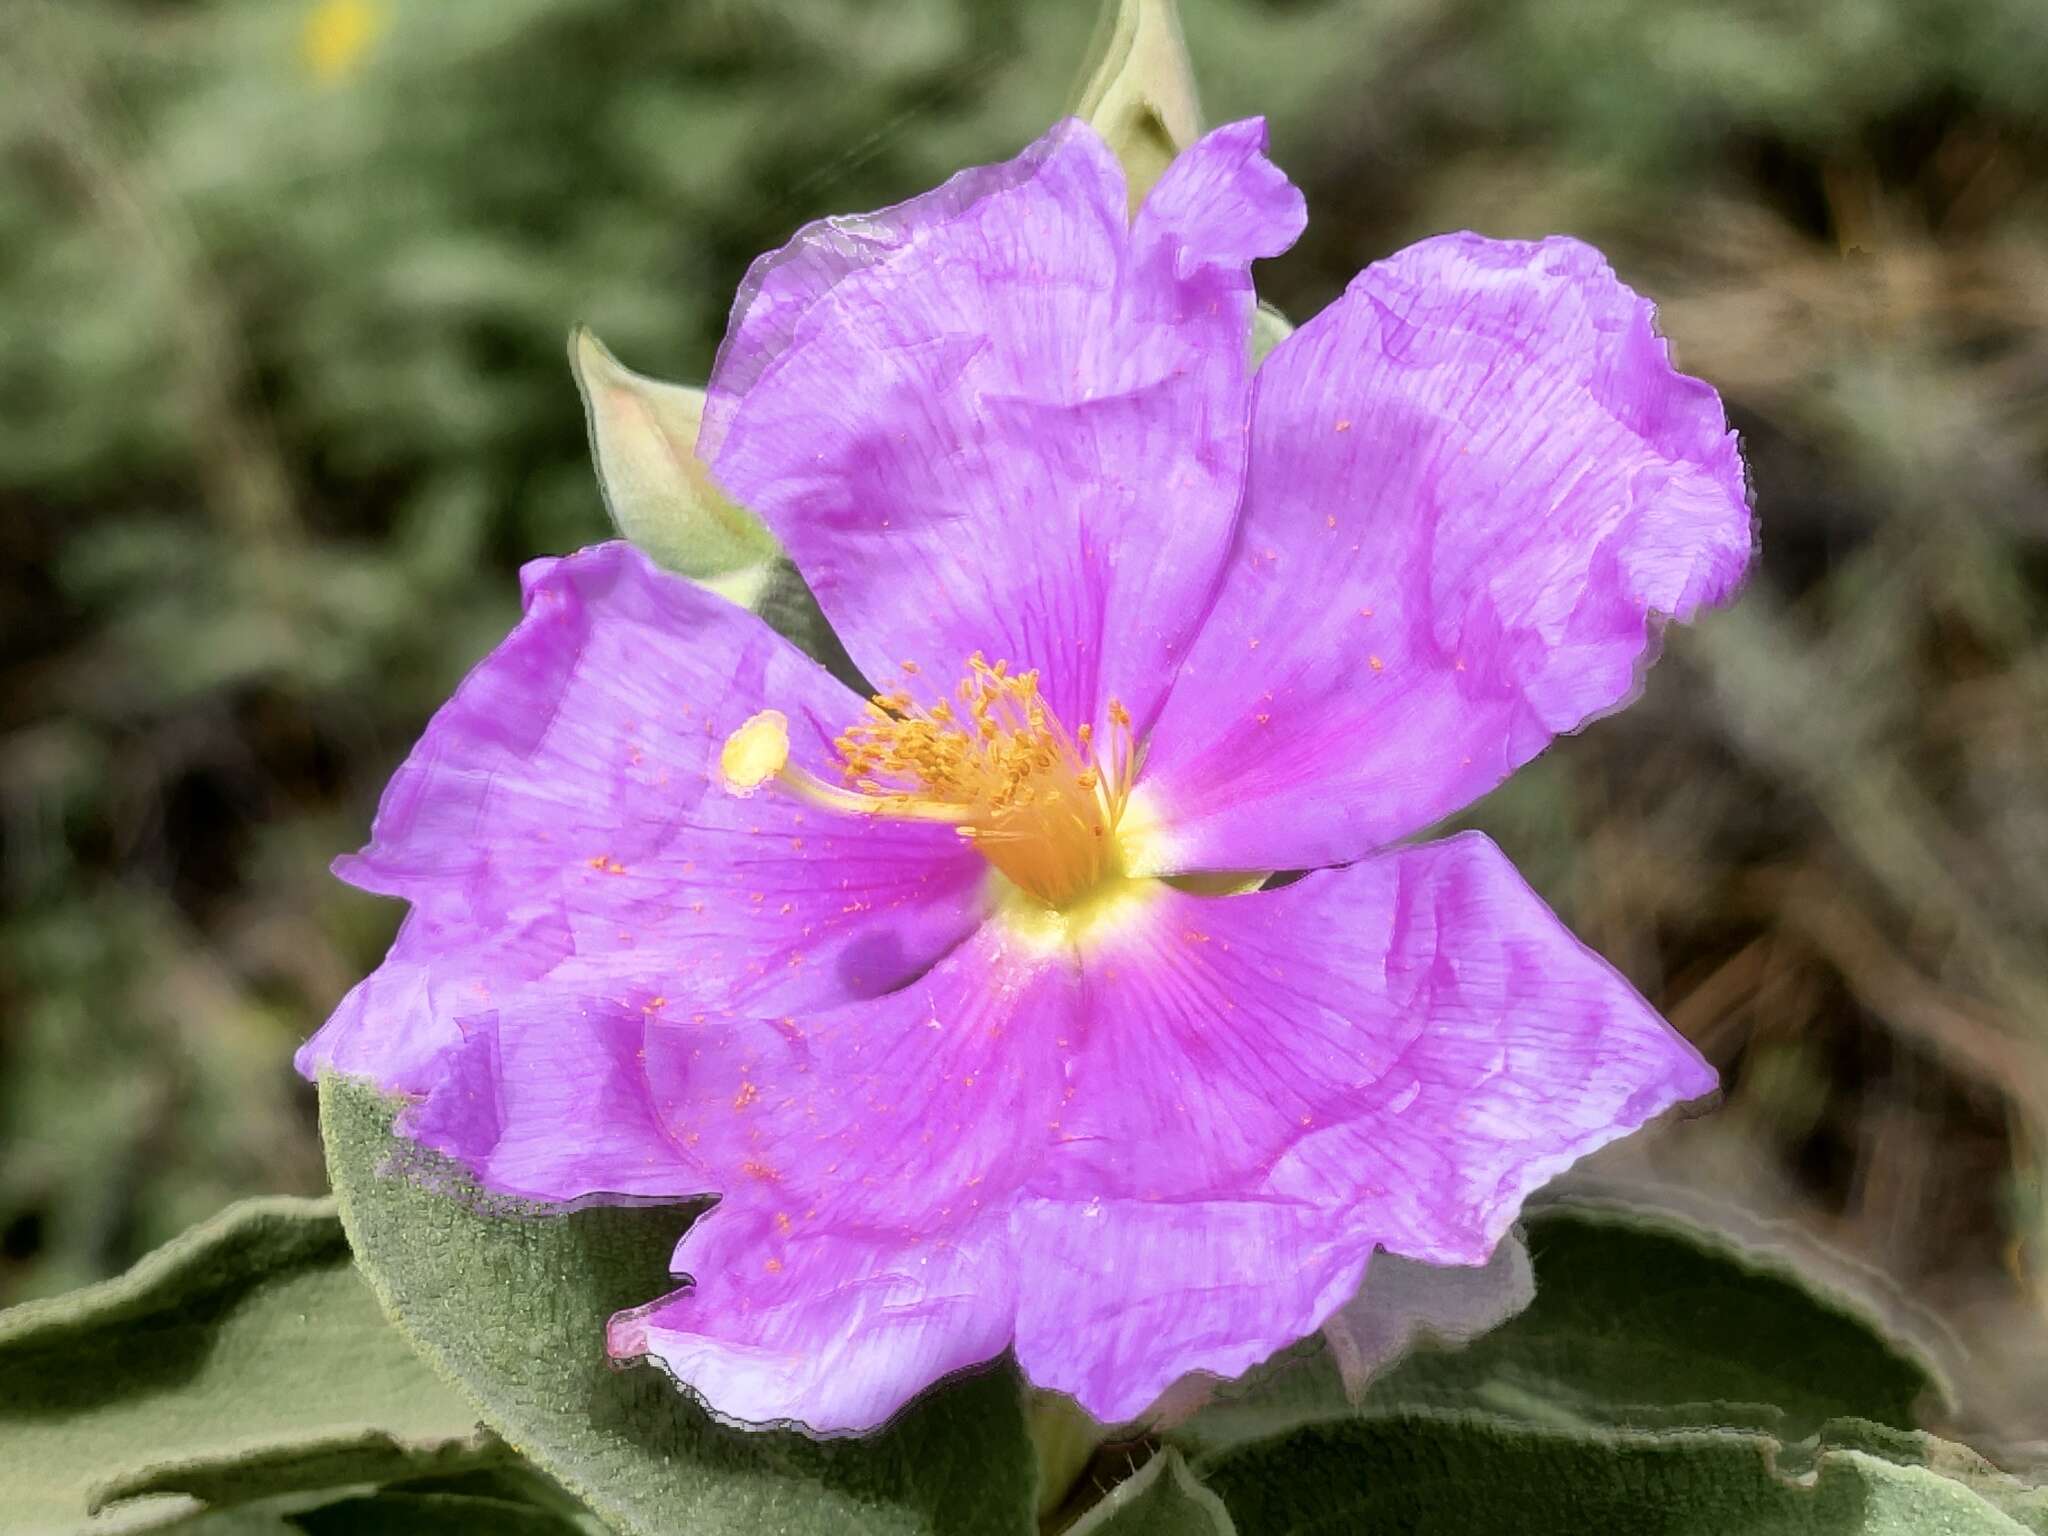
[(906, 985)]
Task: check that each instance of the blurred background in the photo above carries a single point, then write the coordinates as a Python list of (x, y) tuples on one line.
[(284, 289)]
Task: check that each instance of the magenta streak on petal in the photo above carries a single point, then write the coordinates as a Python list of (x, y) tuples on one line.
[(1265, 1087), (1474, 480), (996, 418), (575, 868)]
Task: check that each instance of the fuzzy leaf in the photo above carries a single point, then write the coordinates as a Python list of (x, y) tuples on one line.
[(369, 1457), (1471, 1472), (1639, 1319), (246, 1358), (1636, 1321), (1140, 95), (401, 1513), (643, 440), (512, 1305), (1162, 1498)]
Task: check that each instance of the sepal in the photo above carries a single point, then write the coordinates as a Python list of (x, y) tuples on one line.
[(643, 442), (1140, 94)]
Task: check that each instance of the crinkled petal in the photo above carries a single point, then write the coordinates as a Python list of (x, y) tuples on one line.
[(547, 1100), (1116, 1299), (1529, 1051), (569, 853), (1265, 1087), (1406, 1302), (997, 418), (1195, 1130), (870, 1154), (828, 1330), (898, 1113), (1475, 481), (396, 1023)]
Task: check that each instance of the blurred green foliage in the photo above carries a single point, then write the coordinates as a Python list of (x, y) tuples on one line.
[(285, 287)]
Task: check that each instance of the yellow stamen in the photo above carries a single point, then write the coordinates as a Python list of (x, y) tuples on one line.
[(756, 752), (993, 761)]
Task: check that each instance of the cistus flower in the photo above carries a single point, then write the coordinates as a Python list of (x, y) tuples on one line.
[(940, 993)]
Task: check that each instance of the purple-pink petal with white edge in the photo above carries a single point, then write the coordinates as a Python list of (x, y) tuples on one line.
[(1266, 1087), (1476, 483), (859, 1250), (1001, 418), (567, 846), (834, 1331)]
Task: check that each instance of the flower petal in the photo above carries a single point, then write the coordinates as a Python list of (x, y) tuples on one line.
[(396, 1023), (1474, 480), (1265, 1087), (570, 856), (1116, 1299), (547, 1100), (996, 418), (1529, 1052), (1177, 1155), (833, 1331), (899, 1113), (859, 1250)]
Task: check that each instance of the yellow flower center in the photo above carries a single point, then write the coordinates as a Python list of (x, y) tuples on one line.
[(1041, 805)]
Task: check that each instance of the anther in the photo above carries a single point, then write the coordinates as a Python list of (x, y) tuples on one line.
[(756, 752), (1001, 769)]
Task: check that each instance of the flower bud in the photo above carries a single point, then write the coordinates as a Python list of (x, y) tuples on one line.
[(643, 441), (1140, 95)]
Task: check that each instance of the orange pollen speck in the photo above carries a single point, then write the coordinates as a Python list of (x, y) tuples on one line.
[(993, 761)]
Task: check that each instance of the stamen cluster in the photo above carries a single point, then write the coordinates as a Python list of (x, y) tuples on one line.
[(992, 760), (1031, 797)]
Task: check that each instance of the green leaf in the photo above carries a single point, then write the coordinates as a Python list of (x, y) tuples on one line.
[(643, 440), (2024, 1502), (241, 1476), (1637, 1320), (1140, 95), (512, 1307), (508, 1498), (1429, 1471), (1161, 1499), (1405, 1308), (244, 1359), (1064, 1440), (399, 1513), (1910, 1499)]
